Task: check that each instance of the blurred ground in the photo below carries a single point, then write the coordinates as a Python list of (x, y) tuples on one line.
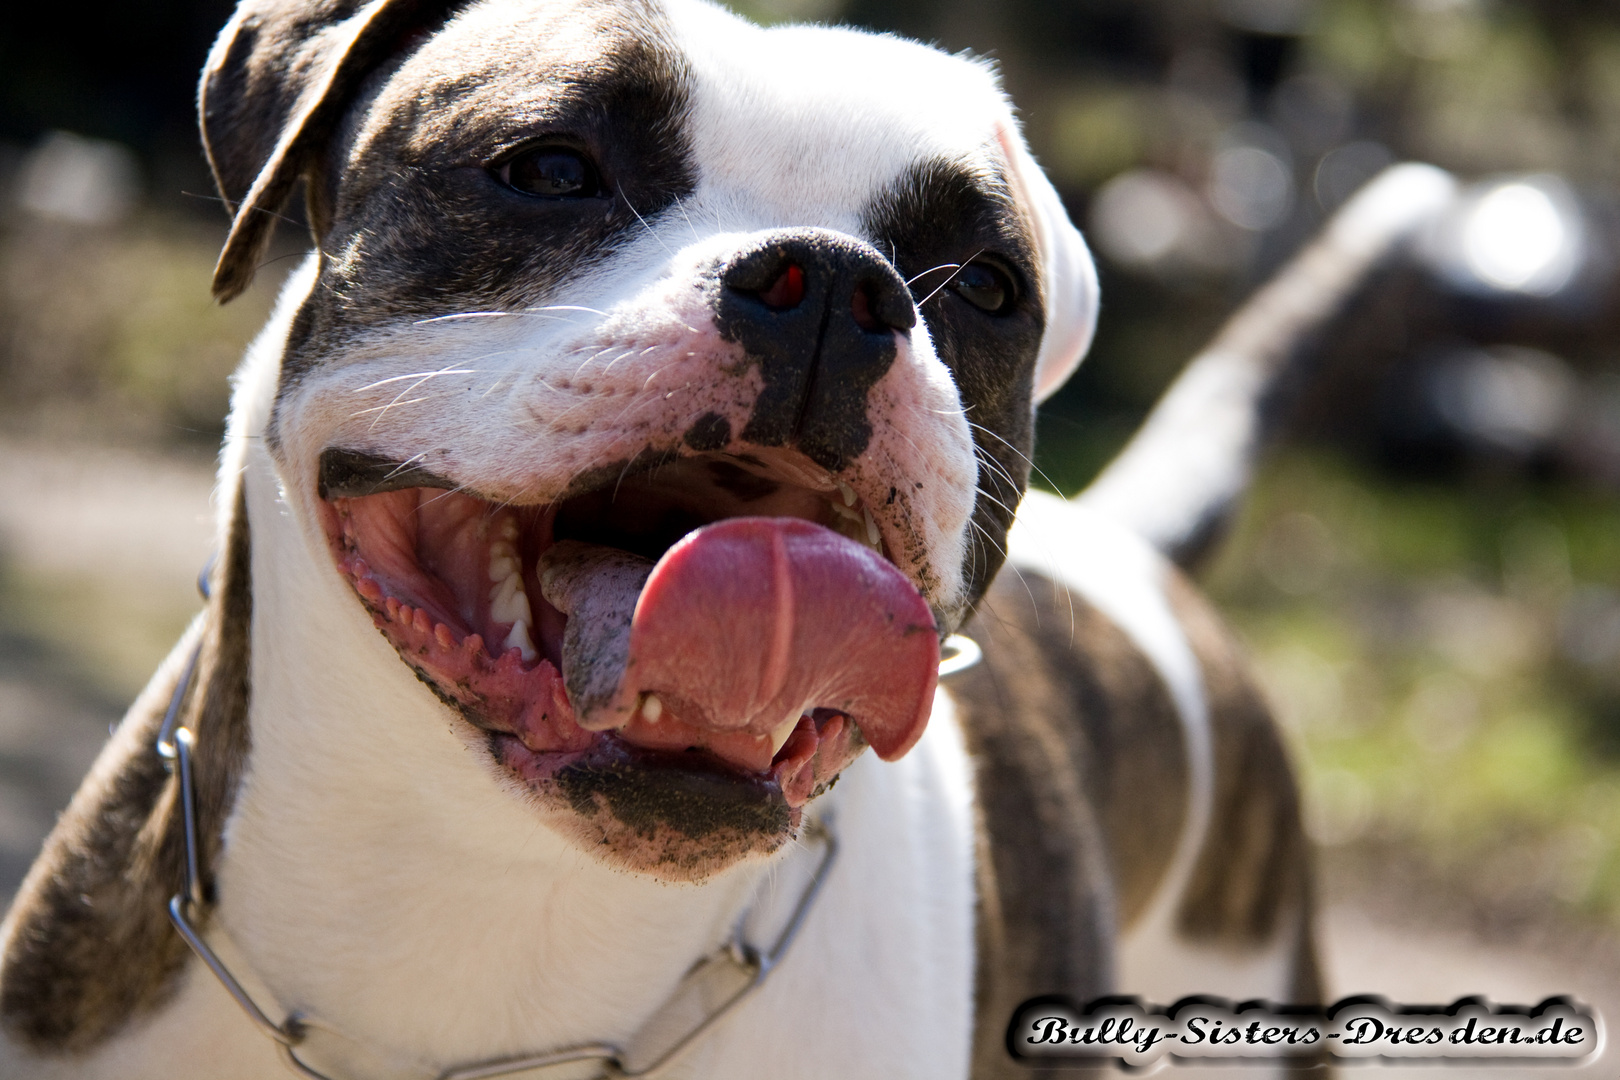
[(99, 551)]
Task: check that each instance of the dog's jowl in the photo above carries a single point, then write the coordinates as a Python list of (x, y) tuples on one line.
[(656, 399)]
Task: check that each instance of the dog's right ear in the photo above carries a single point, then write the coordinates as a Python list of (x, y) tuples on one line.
[(274, 88)]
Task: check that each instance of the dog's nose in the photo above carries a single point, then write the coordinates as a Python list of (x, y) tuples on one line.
[(818, 311)]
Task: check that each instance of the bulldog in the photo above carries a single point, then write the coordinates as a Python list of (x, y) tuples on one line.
[(656, 400)]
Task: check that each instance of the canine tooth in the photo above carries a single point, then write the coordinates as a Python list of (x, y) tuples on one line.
[(873, 537), (508, 602), (780, 733), (652, 708), (847, 491), (518, 639)]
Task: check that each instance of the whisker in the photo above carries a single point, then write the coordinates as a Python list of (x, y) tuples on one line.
[(947, 281), (643, 220), (1027, 459), (931, 269), (422, 375), (566, 307)]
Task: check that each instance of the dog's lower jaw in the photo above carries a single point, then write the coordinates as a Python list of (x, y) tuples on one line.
[(377, 876)]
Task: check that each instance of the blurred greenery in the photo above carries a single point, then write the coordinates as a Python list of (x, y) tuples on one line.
[(1425, 647)]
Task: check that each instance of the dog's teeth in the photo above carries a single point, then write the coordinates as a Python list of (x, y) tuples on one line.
[(847, 491), (652, 708), (873, 537), (503, 596), (508, 602), (518, 639), (780, 733), (511, 607), (368, 588), (507, 530), (420, 620), (502, 565), (442, 635), (844, 512)]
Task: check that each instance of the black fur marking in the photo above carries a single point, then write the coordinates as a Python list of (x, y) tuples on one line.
[(419, 226), (938, 214)]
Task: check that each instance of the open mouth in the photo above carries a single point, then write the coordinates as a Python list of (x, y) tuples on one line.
[(700, 646)]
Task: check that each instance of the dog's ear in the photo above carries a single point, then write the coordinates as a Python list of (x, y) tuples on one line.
[(1068, 276), (274, 88)]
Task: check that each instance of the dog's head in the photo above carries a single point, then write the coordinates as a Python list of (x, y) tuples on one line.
[(667, 385)]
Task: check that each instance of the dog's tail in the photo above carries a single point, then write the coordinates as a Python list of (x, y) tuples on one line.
[(1179, 480)]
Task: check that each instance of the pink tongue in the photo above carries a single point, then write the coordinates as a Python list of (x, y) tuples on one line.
[(750, 622)]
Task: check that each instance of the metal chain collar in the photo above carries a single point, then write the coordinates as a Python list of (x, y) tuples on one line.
[(710, 991)]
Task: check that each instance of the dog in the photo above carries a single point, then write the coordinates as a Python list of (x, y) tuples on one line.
[(657, 400)]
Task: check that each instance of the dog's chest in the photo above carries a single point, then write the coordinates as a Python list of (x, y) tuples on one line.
[(463, 924)]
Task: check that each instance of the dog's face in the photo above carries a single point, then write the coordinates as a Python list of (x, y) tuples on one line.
[(667, 386)]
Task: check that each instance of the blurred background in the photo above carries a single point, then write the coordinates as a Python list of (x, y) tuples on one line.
[(1428, 572)]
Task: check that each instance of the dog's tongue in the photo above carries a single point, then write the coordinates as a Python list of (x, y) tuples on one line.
[(743, 625)]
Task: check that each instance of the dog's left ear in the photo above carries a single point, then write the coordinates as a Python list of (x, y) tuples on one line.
[(273, 90), (1068, 276)]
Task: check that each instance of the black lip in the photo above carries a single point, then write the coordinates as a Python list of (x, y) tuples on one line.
[(692, 793), (346, 474)]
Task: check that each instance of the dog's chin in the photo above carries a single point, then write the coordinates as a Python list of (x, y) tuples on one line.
[(681, 816), (458, 585)]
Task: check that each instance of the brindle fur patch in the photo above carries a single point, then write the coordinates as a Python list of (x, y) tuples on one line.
[(1081, 780), (1253, 879), (90, 948)]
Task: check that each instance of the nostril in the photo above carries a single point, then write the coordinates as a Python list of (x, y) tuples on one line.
[(861, 305), (879, 308), (787, 291)]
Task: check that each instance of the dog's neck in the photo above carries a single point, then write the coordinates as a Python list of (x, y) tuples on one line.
[(376, 873)]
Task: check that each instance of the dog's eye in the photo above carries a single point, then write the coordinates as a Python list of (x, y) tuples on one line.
[(552, 172), (986, 286)]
